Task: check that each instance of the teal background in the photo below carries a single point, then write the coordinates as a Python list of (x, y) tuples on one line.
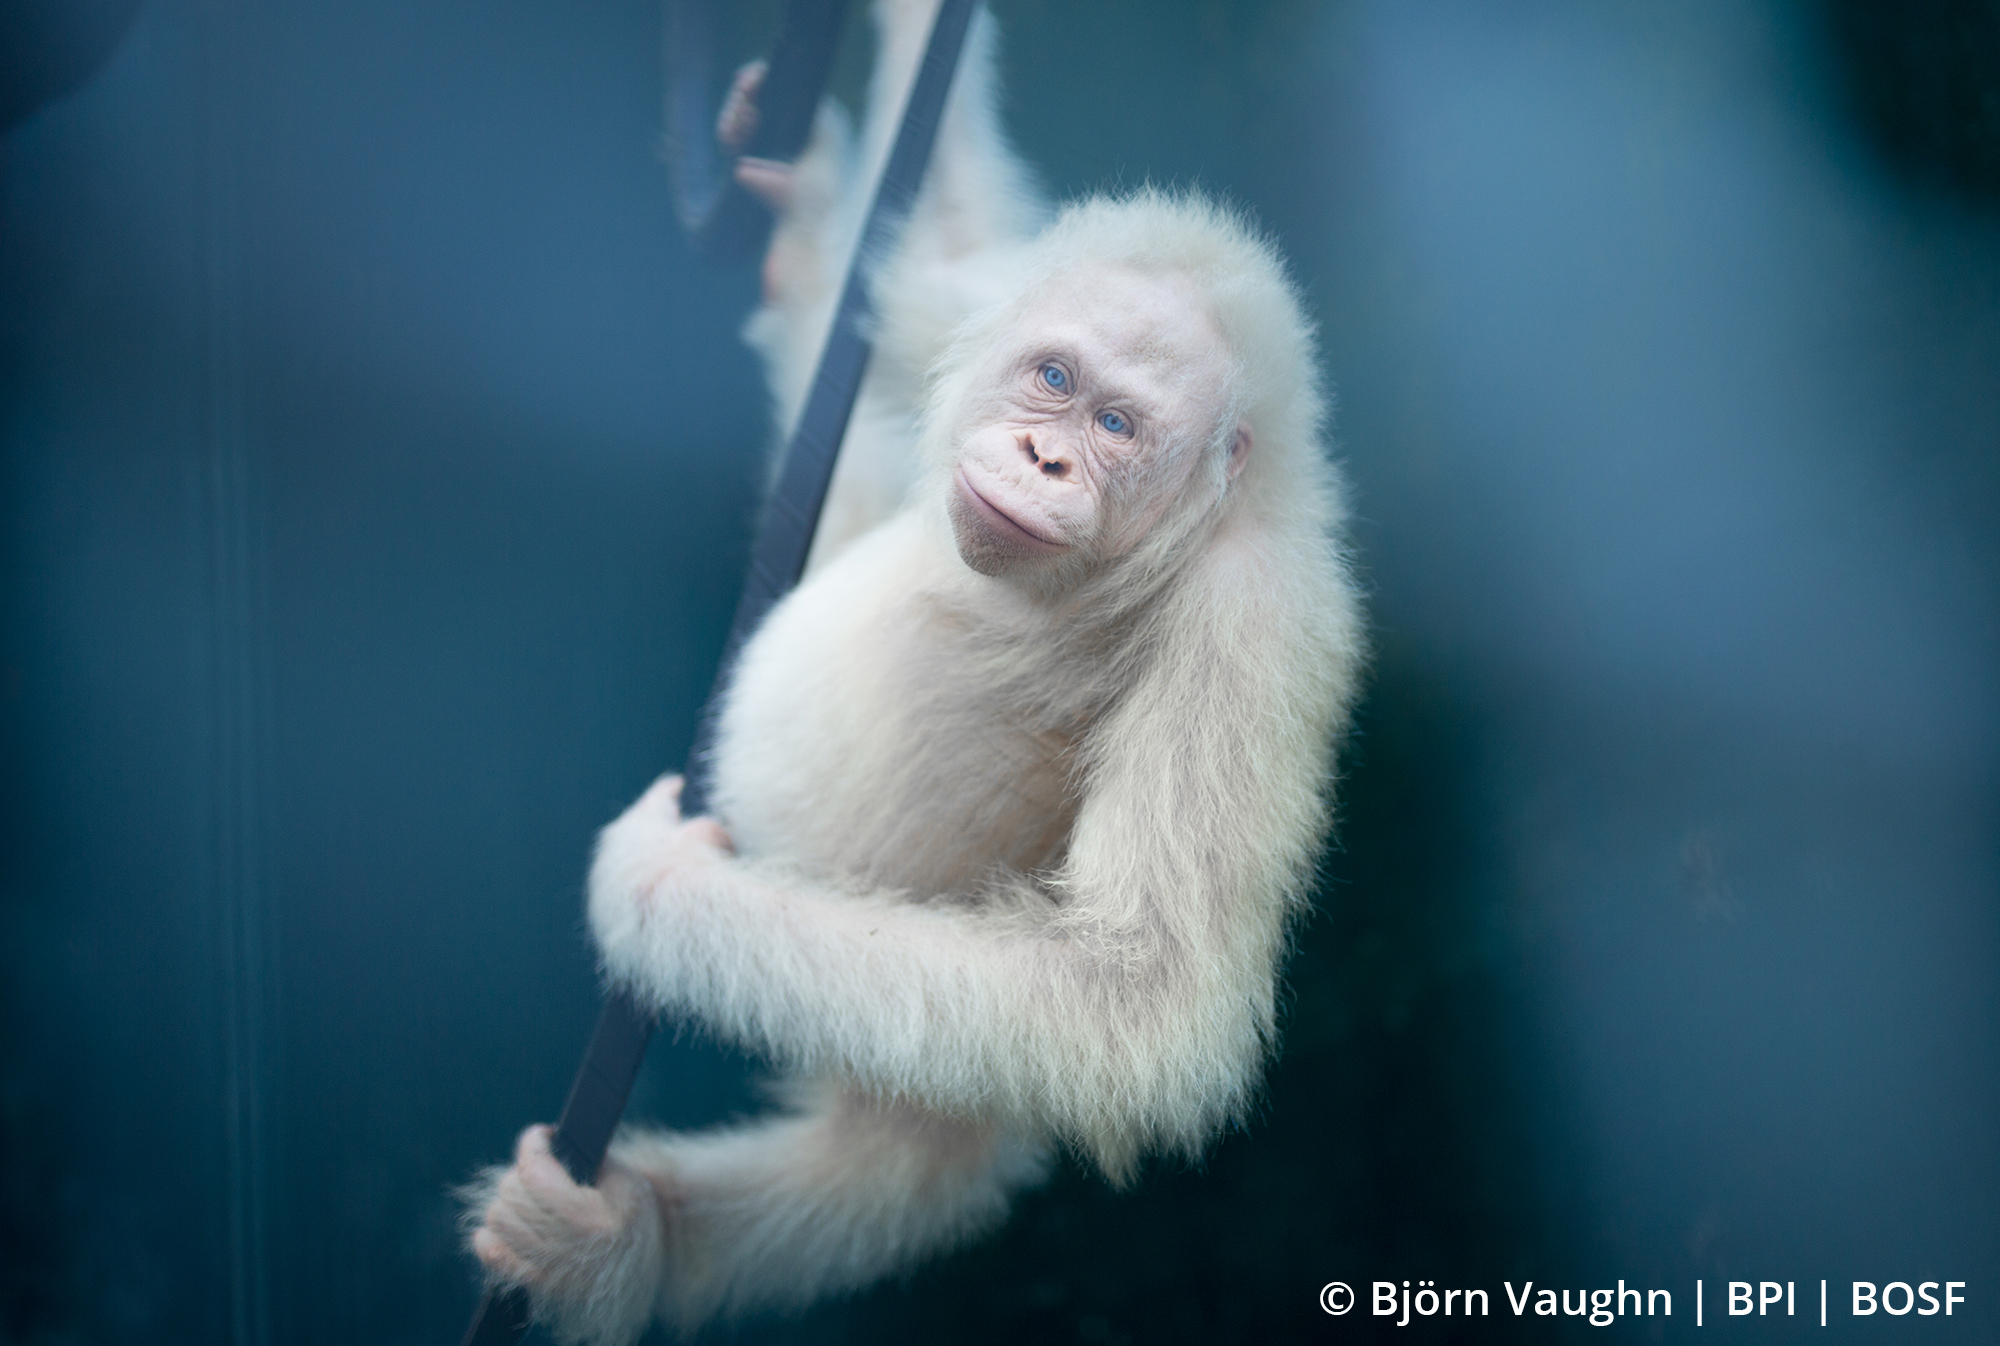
[(378, 467)]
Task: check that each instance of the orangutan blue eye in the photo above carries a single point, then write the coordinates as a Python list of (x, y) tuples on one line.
[(1056, 377), (1115, 423)]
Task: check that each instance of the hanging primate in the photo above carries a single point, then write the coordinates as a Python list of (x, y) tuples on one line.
[(1017, 794)]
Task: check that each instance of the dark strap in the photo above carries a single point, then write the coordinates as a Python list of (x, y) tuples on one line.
[(725, 222), (610, 1065)]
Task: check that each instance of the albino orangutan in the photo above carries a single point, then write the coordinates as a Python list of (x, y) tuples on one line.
[(1016, 796)]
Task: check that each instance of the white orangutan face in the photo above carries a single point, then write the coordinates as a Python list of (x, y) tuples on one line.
[(1097, 405)]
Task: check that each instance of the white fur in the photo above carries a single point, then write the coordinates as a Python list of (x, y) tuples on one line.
[(1012, 867), (835, 1194), (591, 1255)]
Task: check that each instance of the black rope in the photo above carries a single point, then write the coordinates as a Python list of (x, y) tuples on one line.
[(604, 1082)]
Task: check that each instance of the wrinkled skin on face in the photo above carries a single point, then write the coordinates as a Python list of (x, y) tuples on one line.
[(1097, 406)]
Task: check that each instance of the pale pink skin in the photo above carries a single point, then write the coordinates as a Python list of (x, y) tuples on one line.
[(768, 180), (1106, 375), (506, 1245)]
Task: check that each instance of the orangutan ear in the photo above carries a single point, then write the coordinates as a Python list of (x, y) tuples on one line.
[(1239, 452)]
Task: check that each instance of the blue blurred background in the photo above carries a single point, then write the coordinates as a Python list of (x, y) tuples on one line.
[(378, 468)]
